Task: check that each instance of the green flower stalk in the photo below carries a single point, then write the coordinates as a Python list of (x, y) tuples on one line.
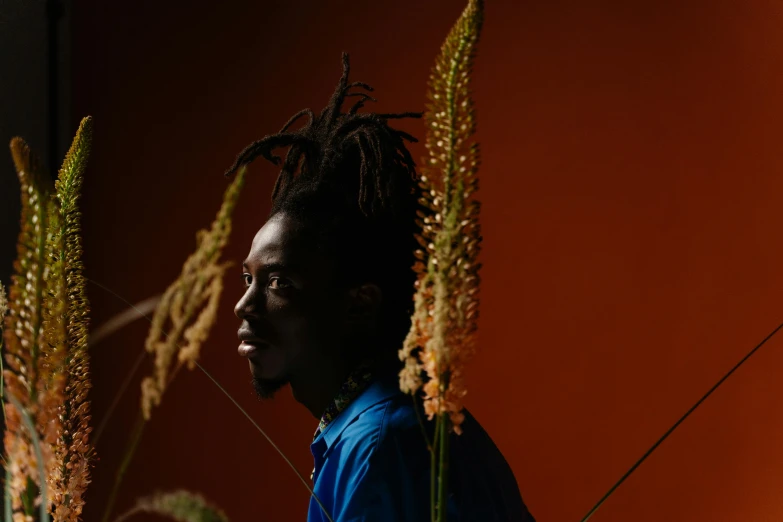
[(45, 336), (66, 360), (22, 332)]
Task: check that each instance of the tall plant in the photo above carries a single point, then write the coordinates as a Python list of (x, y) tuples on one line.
[(45, 336), (44, 322), (443, 329)]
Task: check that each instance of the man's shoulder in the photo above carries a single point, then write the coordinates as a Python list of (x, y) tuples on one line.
[(383, 448), (390, 421)]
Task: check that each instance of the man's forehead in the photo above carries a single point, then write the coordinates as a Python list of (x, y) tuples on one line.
[(269, 244), (269, 236), (280, 242)]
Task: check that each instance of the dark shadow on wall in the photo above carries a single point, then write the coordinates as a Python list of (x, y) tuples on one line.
[(34, 101)]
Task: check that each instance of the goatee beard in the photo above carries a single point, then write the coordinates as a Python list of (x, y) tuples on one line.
[(266, 388)]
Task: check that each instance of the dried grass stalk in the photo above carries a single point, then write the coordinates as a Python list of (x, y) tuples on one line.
[(187, 311)]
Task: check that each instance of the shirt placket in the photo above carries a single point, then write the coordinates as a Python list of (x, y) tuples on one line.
[(354, 385)]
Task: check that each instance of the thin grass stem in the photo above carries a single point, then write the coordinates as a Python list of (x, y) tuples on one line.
[(133, 443), (676, 424), (123, 319), (115, 402), (434, 470), (443, 467), (9, 513), (128, 514), (421, 423), (279, 451), (2, 371)]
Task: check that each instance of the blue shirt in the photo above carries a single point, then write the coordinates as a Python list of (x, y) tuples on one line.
[(372, 465)]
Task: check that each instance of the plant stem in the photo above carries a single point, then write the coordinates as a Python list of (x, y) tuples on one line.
[(2, 370), (679, 421), (434, 469), (421, 423), (9, 514), (121, 392), (114, 324), (117, 397), (122, 319), (140, 425), (128, 514), (443, 466), (269, 440), (133, 443)]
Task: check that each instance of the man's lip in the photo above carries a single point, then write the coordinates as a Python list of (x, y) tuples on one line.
[(249, 348), (248, 336), (245, 334)]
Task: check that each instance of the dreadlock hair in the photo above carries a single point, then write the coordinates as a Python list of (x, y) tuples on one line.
[(350, 175)]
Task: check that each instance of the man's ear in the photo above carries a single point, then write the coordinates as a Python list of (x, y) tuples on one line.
[(364, 303)]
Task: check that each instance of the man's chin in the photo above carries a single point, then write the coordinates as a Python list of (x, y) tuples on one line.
[(266, 388)]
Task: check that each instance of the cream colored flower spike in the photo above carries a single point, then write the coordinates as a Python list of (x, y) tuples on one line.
[(446, 301)]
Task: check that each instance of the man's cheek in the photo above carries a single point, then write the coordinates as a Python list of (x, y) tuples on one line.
[(270, 364)]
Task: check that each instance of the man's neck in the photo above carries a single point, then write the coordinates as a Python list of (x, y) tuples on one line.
[(316, 389), (316, 386)]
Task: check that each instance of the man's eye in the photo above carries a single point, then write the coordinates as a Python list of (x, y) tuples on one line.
[(277, 283), (248, 279)]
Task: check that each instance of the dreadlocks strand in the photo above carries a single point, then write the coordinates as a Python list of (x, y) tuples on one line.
[(317, 149)]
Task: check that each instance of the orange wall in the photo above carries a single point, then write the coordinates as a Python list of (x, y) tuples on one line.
[(632, 189)]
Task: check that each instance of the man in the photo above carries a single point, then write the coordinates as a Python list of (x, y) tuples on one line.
[(327, 306)]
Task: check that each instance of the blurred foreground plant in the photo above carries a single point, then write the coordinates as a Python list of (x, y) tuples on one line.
[(183, 319), (46, 377), (181, 506), (45, 317)]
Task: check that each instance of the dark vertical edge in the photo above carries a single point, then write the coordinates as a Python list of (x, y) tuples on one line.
[(64, 124), (54, 11)]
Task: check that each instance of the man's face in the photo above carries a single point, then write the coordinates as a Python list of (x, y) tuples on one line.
[(292, 312)]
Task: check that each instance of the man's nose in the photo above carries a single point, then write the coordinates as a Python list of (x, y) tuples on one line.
[(247, 307)]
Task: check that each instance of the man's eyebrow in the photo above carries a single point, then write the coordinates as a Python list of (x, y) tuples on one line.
[(271, 267), (276, 267)]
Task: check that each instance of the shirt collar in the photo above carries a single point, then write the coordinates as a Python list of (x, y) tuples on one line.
[(355, 384), (380, 390)]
